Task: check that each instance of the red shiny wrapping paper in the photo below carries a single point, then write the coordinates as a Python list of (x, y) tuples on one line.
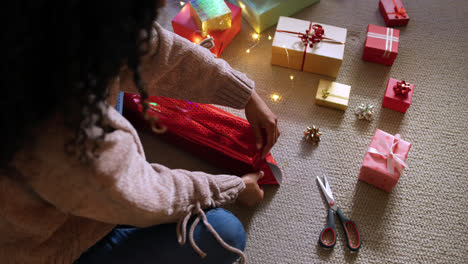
[(225, 140)]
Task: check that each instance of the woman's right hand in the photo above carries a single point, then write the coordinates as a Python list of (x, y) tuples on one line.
[(252, 194)]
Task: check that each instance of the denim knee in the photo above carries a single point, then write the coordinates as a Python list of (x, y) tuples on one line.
[(229, 228)]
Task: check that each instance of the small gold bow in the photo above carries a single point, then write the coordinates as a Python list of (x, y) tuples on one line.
[(312, 134), (325, 94)]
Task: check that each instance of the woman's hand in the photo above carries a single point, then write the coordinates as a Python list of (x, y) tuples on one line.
[(252, 194), (264, 123)]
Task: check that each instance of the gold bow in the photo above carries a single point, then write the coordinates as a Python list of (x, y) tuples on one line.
[(312, 134)]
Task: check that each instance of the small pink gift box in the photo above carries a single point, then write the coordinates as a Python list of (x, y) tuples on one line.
[(384, 160)]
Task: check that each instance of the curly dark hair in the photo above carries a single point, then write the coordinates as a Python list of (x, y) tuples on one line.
[(60, 57)]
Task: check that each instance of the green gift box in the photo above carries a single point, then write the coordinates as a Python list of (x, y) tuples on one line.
[(262, 14)]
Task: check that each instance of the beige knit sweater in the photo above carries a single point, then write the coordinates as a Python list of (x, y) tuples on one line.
[(53, 208)]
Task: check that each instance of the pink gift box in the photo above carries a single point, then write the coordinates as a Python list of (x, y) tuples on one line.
[(396, 101), (184, 25), (393, 12), (384, 160), (381, 45)]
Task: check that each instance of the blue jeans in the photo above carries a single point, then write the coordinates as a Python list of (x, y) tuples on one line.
[(158, 244)]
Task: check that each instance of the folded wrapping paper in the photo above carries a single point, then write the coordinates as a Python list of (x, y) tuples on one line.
[(262, 14), (289, 50), (333, 94), (381, 45), (183, 25), (384, 160), (210, 15), (397, 101), (225, 140), (394, 13)]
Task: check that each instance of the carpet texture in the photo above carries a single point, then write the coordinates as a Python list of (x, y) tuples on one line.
[(424, 219)]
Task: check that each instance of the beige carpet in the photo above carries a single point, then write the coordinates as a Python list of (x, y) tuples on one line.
[(425, 218)]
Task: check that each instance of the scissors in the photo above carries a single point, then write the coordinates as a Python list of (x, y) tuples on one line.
[(328, 235)]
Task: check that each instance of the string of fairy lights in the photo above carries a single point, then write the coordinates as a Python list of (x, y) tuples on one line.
[(256, 37)]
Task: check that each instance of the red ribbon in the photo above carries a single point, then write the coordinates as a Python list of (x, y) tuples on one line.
[(399, 12), (310, 38), (402, 88)]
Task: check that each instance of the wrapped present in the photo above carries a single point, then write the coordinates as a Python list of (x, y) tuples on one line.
[(394, 13), (398, 95), (210, 15), (262, 14), (224, 140), (183, 25), (381, 45), (333, 94), (384, 160), (308, 46)]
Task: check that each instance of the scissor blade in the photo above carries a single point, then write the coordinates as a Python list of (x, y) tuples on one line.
[(327, 192)]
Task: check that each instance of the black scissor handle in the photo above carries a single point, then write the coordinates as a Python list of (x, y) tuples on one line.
[(328, 235), (353, 239)]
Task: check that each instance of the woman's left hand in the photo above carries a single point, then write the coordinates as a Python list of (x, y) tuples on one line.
[(264, 123)]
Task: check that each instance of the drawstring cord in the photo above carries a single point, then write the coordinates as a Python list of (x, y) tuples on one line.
[(182, 227)]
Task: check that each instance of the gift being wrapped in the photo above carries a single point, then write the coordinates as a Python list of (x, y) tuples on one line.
[(210, 15), (394, 13), (184, 25), (333, 94), (225, 140), (384, 160), (398, 95), (381, 45), (262, 14), (308, 46)]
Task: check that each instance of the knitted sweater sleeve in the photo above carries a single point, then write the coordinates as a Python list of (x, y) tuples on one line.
[(120, 187), (177, 68)]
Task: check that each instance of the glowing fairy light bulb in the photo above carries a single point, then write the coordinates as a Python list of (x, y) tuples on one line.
[(248, 51), (275, 97), (255, 36), (241, 5), (182, 3), (269, 37), (291, 77), (208, 36)]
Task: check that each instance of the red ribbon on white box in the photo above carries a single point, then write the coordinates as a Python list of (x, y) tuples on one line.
[(389, 38)]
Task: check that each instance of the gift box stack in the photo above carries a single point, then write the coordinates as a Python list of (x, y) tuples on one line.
[(200, 19)]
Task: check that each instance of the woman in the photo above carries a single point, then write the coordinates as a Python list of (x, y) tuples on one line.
[(74, 182)]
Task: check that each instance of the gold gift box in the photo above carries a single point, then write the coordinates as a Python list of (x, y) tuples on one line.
[(210, 15), (333, 94)]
